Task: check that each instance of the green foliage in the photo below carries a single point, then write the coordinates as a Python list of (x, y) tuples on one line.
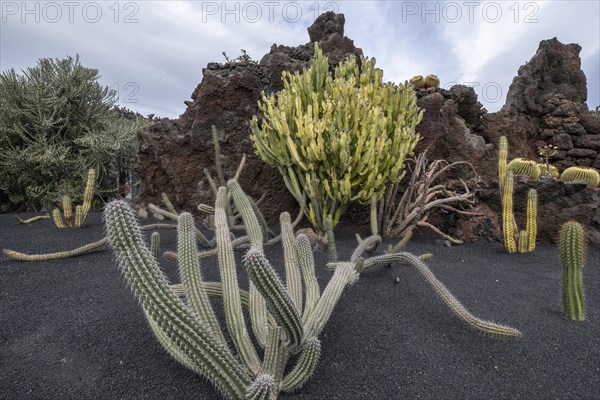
[(339, 138), (56, 123)]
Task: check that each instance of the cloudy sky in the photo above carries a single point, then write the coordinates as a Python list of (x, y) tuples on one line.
[(153, 52)]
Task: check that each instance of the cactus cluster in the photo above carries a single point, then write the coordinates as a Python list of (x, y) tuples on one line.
[(430, 81), (586, 174), (77, 219), (515, 240), (338, 138), (572, 255)]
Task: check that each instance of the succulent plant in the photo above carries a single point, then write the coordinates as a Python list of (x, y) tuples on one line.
[(81, 212), (572, 255), (418, 82), (586, 174), (522, 166), (432, 81), (549, 170)]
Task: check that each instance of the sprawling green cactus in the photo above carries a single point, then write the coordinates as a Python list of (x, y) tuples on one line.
[(572, 254), (81, 212), (339, 138), (522, 166), (589, 175)]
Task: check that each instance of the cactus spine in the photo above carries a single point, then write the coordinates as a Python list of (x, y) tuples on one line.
[(572, 255), (588, 175)]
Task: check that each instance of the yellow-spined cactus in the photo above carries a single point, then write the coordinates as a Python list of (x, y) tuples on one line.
[(338, 138), (502, 157), (508, 224), (588, 175), (549, 170), (81, 211), (531, 223), (418, 82), (522, 166), (432, 81)]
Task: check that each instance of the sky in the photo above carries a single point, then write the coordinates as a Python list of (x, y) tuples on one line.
[(152, 52)]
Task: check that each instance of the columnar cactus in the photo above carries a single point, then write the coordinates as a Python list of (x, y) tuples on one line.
[(502, 157), (588, 175), (531, 214), (81, 212), (508, 225), (572, 254)]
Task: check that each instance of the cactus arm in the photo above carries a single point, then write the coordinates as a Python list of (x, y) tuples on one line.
[(502, 157), (508, 227), (452, 302), (79, 216), (275, 357), (307, 266), (293, 276), (54, 256), (68, 211), (258, 307), (572, 253), (402, 242), (305, 367), (234, 316), (261, 389), (268, 284), (261, 219), (531, 225), (192, 337), (88, 195), (191, 277), (168, 204), (343, 275), (374, 228), (367, 245), (32, 219), (522, 245), (331, 246), (210, 180), (155, 245), (169, 215)]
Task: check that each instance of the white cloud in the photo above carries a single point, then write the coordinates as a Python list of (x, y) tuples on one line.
[(163, 53)]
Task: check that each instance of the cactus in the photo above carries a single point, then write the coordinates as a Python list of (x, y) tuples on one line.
[(418, 82), (522, 243), (81, 212), (502, 156), (432, 81), (32, 219), (338, 138), (572, 255), (588, 175), (522, 166), (508, 225), (531, 214)]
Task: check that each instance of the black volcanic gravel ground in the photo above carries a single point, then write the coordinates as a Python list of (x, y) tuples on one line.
[(71, 329)]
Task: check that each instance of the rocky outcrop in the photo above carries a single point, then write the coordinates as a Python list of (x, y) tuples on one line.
[(173, 153)]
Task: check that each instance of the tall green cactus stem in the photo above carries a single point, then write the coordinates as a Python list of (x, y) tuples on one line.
[(304, 367), (452, 302), (191, 277), (331, 246), (306, 262), (508, 227), (191, 336), (88, 195), (68, 211), (531, 224), (79, 216), (588, 175), (502, 157), (522, 244), (275, 357), (232, 301), (293, 277), (218, 163), (270, 286), (402, 242), (572, 255), (344, 275), (258, 307), (261, 219), (58, 221), (522, 166), (374, 228), (155, 245)]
